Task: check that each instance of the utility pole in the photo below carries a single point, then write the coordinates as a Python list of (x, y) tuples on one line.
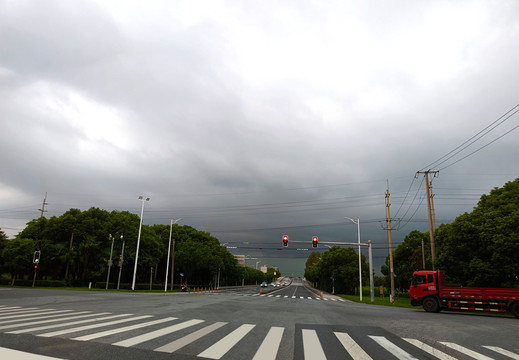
[(391, 271), (43, 206), (430, 211)]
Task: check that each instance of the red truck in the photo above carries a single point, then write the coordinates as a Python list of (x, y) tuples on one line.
[(428, 289)]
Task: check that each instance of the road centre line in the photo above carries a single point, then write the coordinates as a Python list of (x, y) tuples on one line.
[(219, 349), (466, 351), (311, 346), (270, 345), (93, 326), (123, 329), (429, 349), (355, 351), (392, 348), (188, 339), (157, 333)]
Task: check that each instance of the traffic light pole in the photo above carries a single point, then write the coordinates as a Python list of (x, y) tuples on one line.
[(359, 244)]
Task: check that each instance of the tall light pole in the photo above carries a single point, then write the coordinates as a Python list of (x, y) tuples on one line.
[(121, 259), (141, 198), (109, 261), (360, 259), (172, 259)]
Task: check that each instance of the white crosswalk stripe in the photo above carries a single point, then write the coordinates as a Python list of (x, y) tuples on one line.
[(312, 346), (502, 351), (429, 349), (223, 346), (92, 326), (466, 351), (355, 351), (157, 333), (392, 348), (221, 337)]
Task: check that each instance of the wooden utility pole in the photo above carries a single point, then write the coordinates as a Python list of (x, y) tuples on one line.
[(391, 271), (430, 211), (43, 206)]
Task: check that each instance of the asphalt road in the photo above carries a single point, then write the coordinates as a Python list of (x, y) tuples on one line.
[(288, 323)]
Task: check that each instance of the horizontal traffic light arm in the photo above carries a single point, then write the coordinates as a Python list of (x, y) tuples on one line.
[(329, 242)]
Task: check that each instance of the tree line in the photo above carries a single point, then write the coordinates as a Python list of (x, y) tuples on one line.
[(480, 248), (75, 248)]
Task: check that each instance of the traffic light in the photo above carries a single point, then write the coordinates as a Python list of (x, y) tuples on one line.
[(36, 257), (35, 267), (314, 241), (285, 240)]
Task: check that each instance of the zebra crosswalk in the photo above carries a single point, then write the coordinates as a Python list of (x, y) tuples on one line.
[(217, 340)]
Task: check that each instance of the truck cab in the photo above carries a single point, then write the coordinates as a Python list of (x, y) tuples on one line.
[(425, 284)]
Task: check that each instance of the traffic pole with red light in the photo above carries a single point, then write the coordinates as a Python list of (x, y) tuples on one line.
[(314, 241), (285, 240)]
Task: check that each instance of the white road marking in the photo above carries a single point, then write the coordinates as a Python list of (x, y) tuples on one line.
[(188, 339), (92, 326), (466, 351), (352, 347), (53, 319), (21, 355), (503, 352), (392, 348), (123, 329), (270, 345), (311, 346), (224, 345), (157, 333), (66, 324), (429, 349)]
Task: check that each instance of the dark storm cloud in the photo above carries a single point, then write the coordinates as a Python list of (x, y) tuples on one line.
[(253, 120)]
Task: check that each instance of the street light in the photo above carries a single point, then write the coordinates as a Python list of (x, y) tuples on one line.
[(141, 198), (172, 258), (360, 264), (109, 261)]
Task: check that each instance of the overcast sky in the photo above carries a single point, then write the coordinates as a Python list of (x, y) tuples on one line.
[(254, 119)]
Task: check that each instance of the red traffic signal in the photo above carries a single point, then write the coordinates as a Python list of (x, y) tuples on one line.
[(314, 241), (285, 240)]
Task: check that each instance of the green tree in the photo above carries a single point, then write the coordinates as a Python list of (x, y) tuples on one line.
[(18, 256), (337, 268), (481, 248), (407, 258)]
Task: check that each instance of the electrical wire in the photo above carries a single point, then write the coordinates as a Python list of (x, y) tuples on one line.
[(474, 138)]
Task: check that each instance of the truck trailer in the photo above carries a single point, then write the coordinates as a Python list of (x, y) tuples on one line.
[(428, 289)]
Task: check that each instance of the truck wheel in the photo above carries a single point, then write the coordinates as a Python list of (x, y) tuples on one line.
[(430, 305), (514, 308)]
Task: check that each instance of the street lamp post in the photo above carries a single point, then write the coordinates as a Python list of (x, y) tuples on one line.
[(141, 198), (121, 259), (360, 259), (172, 258), (110, 261)]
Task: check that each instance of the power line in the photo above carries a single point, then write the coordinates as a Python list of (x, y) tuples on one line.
[(473, 139)]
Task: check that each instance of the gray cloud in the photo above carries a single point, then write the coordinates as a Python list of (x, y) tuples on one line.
[(251, 120)]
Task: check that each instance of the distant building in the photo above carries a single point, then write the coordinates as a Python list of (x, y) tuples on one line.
[(263, 269), (240, 259)]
